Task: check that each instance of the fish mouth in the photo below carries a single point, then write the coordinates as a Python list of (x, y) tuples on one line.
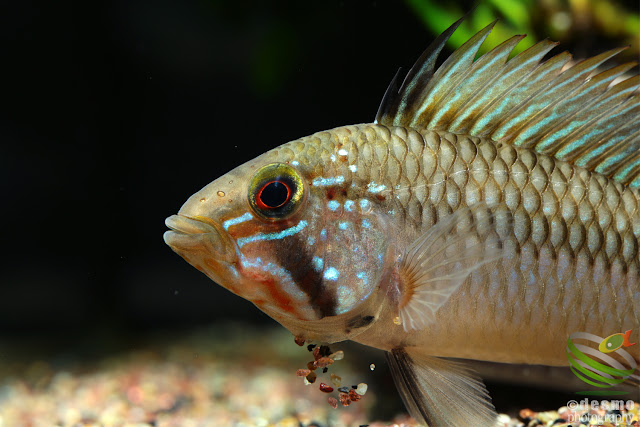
[(199, 234)]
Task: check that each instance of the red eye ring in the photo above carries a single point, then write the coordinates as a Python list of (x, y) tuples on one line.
[(277, 196)]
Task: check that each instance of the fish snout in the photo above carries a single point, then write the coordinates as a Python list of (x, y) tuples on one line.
[(199, 235)]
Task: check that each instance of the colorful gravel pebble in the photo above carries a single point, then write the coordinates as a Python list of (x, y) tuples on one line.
[(213, 380)]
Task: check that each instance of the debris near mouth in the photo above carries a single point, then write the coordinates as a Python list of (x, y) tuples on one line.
[(222, 376), (323, 358)]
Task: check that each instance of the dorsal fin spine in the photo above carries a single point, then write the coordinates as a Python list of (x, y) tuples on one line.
[(562, 111), (544, 98), (392, 90), (630, 166), (552, 95), (618, 161), (510, 78), (467, 53), (596, 129), (397, 105), (546, 70), (582, 119), (565, 111), (482, 70)]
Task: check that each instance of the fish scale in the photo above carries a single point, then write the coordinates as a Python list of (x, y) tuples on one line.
[(552, 221), (490, 212)]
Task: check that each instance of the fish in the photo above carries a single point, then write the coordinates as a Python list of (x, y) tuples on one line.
[(490, 210), (615, 341)]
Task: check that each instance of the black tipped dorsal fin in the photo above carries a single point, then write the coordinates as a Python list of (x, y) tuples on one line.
[(571, 112), (398, 99)]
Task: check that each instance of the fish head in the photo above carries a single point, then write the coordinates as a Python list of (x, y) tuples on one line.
[(288, 232)]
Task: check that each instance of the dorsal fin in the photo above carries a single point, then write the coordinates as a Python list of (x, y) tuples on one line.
[(571, 112)]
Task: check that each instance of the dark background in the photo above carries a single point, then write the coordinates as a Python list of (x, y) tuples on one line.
[(117, 112), (114, 113)]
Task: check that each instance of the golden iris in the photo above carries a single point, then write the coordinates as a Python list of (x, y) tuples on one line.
[(275, 191)]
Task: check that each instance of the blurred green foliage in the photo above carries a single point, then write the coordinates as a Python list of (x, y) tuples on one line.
[(580, 21), (583, 27), (515, 19)]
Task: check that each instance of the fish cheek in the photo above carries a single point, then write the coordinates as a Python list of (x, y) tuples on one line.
[(279, 273), (298, 259), (355, 259)]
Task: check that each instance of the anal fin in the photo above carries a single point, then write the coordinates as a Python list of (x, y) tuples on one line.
[(440, 392)]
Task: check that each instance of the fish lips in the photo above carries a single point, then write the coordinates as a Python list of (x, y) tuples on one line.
[(199, 235)]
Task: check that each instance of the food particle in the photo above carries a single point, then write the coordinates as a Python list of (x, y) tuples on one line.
[(362, 389), (372, 366), (310, 347), (527, 414), (353, 396), (325, 388), (299, 341), (311, 366), (316, 353), (336, 380), (325, 350), (344, 399), (343, 389), (338, 355), (311, 377), (303, 372), (323, 362), (333, 402)]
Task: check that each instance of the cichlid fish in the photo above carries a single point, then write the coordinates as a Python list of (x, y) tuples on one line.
[(490, 210)]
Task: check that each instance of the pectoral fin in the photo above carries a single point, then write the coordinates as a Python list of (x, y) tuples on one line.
[(440, 392), (439, 261)]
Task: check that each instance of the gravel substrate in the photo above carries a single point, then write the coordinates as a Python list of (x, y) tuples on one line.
[(235, 378)]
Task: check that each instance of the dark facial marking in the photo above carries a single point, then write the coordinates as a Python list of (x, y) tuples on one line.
[(298, 261)]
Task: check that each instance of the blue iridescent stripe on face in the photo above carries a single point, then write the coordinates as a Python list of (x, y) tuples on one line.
[(273, 236), (348, 205), (233, 221), (324, 182), (331, 273), (373, 188), (363, 276), (318, 263), (285, 280)]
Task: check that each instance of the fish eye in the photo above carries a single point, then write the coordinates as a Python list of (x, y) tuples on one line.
[(273, 195), (275, 191)]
